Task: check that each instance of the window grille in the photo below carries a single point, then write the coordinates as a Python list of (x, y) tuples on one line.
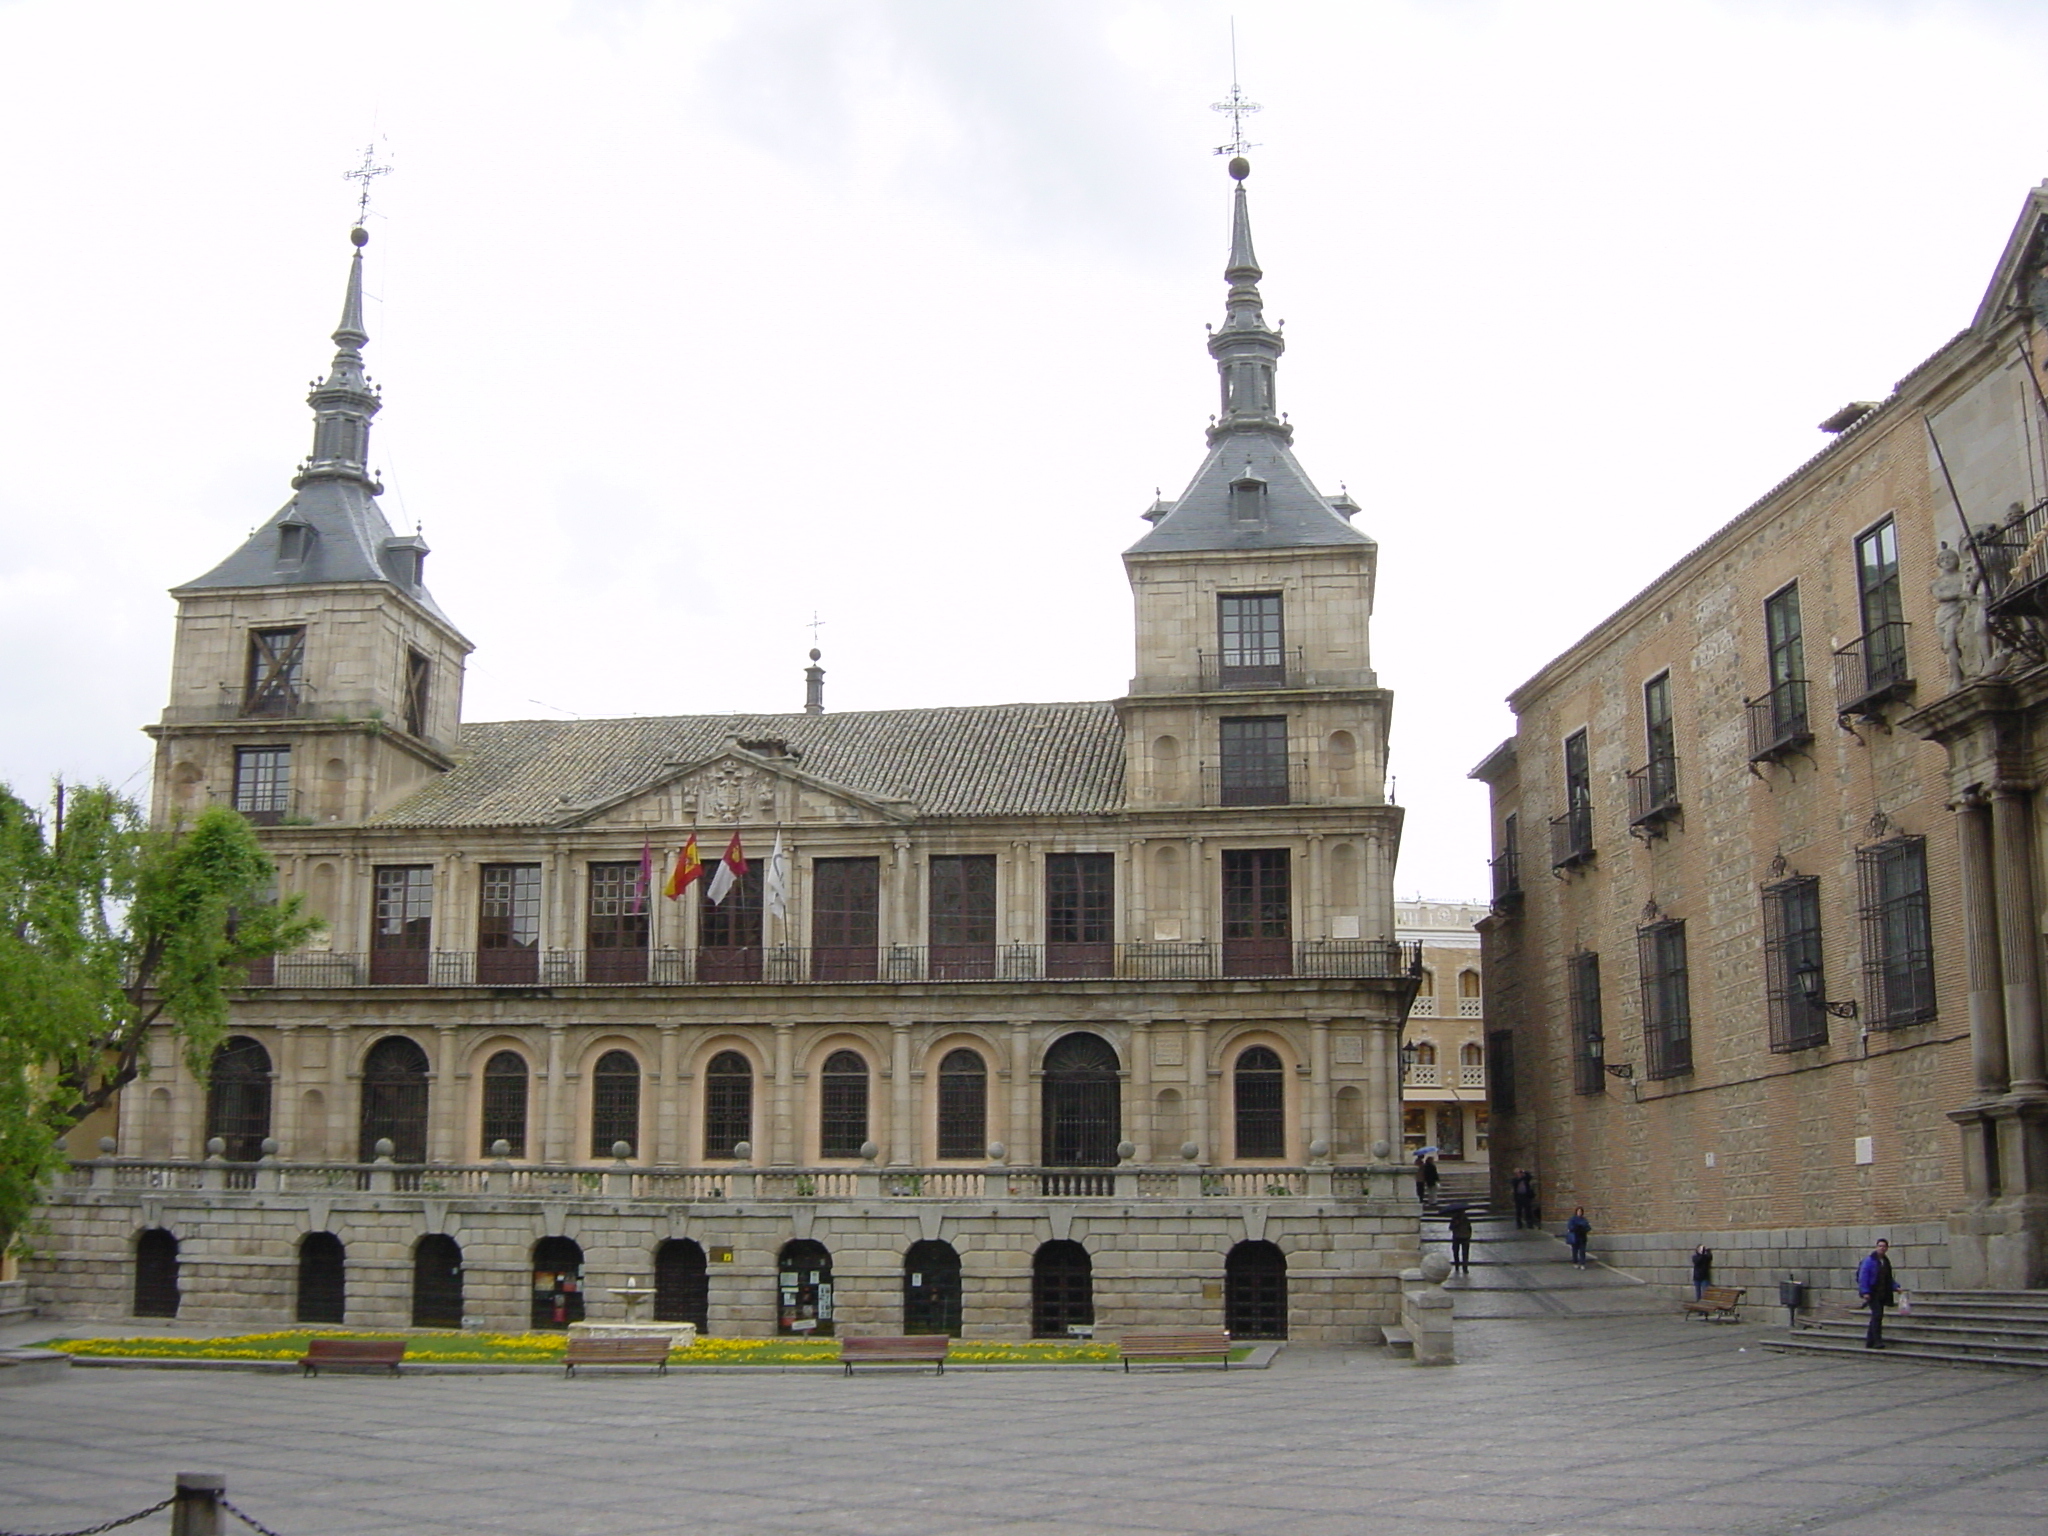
[(614, 1103), (1259, 1090), (238, 1098), (1589, 1044), (931, 1289), (682, 1285), (1080, 903), (1253, 650), (1500, 1076), (277, 660), (1253, 760), (394, 1106), (842, 1105), (728, 1104), (1255, 1291), (1898, 939), (1792, 955), (504, 1118), (1062, 1290), (263, 784), (963, 1105), (1081, 1111), (1667, 1004)]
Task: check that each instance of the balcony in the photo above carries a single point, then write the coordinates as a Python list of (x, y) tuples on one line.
[(886, 965), (1571, 838), (1873, 670), (1220, 673), (1652, 797), (1281, 781), (2014, 566), (1777, 722)]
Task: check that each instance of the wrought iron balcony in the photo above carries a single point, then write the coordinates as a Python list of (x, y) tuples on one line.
[(2014, 566), (1282, 781), (798, 965), (1224, 672), (1507, 880), (1652, 796), (1571, 838), (1873, 670), (1777, 721)]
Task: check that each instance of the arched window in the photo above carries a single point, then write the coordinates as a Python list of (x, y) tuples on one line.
[(437, 1282), (557, 1283), (931, 1289), (842, 1105), (728, 1104), (1062, 1290), (1425, 1054), (1081, 1118), (803, 1278), (614, 1104), (1425, 995), (1255, 1292), (156, 1274), (394, 1101), (238, 1098), (1471, 1054), (963, 1105), (1259, 1088), (1468, 983), (682, 1286), (323, 1279), (504, 1118)]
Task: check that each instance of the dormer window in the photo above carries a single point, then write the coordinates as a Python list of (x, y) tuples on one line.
[(294, 543), (1248, 500), (403, 560)]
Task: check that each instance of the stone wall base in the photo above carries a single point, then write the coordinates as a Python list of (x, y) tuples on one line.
[(1825, 1258)]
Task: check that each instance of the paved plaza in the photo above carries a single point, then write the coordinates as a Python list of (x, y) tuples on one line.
[(1583, 1405)]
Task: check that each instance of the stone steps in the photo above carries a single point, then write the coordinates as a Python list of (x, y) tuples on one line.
[(1400, 1344), (1987, 1328)]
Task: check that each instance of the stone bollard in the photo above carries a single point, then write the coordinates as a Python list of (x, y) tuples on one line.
[(1190, 1173), (1427, 1311), (215, 1174), (269, 1175), (498, 1178), (103, 1165), (381, 1181), (867, 1181), (742, 1178), (618, 1180), (195, 1505), (1322, 1178), (1126, 1176)]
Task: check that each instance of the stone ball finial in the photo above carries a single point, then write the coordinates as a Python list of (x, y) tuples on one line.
[(869, 1151), (1126, 1150), (385, 1146), (997, 1151), (1190, 1151), (216, 1146), (501, 1148), (816, 653), (109, 1146), (269, 1146), (622, 1150), (1381, 1150), (1319, 1149), (1436, 1269), (743, 1150), (360, 237), (1239, 167)]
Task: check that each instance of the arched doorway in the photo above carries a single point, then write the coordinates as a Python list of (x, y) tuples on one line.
[(557, 1283), (804, 1289), (931, 1289), (1255, 1292), (323, 1279), (1082, 1120), (394, 1101), (437, 1282), (238, 1098), (156, 1274), (1062, 1290), (682, 1286)]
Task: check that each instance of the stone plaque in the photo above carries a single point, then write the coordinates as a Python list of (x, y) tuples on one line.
[(1350, 1050), (1167, 1051)]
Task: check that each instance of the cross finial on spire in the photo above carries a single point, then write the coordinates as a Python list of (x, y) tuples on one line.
[(366, 173), (1235, 105)]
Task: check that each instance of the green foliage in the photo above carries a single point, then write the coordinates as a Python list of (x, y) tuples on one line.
[(109, 928)]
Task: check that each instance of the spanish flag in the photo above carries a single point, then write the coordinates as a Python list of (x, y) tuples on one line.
[(728, 873), (688, 868)]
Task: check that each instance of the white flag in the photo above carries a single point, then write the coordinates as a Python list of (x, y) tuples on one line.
[(775, 888)]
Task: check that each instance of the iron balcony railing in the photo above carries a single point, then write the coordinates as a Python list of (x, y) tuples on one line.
[(1221, 672), (1777, 721), (1571, 837), (2013, 565), (1507, 880), (1873, 669), (1653, 794), (1279, 781), (794, 965)]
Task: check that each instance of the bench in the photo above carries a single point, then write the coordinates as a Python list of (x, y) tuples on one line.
[(650, 1350), (881, 1349), (1716, 1301), (1175, 1345), (352, 1355)]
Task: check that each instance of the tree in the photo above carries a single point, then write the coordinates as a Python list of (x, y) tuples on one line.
[(109, 929)]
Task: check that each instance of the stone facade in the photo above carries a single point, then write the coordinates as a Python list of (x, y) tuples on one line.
[(1443, 1090)]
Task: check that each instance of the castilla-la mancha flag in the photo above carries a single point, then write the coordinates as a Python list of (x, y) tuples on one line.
[(688, 868), (728, 873)]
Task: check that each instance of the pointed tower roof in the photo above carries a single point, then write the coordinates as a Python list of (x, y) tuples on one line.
[(1249, 493), (332, 529)]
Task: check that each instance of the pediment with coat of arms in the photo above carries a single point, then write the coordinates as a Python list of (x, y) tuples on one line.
[(737, 787)]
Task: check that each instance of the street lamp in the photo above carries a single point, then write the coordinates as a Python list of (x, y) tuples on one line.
[(1806, 975), (1409, 1051)]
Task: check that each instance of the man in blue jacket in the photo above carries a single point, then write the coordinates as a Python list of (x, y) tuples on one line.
[(1874, 1283)]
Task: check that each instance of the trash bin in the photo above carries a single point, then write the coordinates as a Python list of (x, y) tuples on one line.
[(1791, 1296)]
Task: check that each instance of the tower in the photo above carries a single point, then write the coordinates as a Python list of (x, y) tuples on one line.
[(1254, 686), (313, 677)]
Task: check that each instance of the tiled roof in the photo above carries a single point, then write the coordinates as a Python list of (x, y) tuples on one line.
[(981, 760), (1297, 514)]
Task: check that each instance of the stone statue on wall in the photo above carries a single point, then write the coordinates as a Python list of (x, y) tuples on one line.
[(1959, 618)]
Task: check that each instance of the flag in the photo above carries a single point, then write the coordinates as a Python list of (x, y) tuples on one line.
[(688, 868), (728, 873), (643, 882), (776, 886)]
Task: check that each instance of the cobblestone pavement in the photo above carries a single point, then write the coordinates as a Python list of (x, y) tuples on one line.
[(1580, 1418)]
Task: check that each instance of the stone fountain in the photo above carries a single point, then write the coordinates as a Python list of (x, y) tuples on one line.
[(636, 1294)]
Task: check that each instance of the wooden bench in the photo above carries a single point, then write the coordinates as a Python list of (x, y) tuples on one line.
[(1184, 1345), (651, 1349), (1716, 1301), (881, 1349), (352, 1355)]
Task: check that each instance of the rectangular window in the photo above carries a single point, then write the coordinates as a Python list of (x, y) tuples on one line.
[(1667, 1001), (1589, 1040), (1898, 939), (402, 927), (1571, 835), (846, 903), (1777, 721), (1661, 736), (1507, 864), (730, 933), (615, 923), (277, 659), (417, 673), (1249, 627), (1254, 760), (263, 783), (1882, 608), (962, 916), (508, 924), (1080, 914), (1794, 979), (1500, 1071), (1258, 916)]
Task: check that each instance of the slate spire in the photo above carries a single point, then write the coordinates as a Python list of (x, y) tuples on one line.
[(1246, 349), (345, 400)]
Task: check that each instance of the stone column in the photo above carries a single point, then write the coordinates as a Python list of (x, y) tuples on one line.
[(1980, 943), (1135, 922), (901, 924), (1314, 922), (782, 1126), (903, 1136), (1141, 1088), (2018, 935), (554, 1132), (445, 1097), (671, 1112), (287, 1083), (1198, 1089), (341, 1136), (1382, 1088), (1023, 1137), (1319, 1080)]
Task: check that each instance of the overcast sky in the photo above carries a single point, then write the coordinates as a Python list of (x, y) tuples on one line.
[(694, 319)]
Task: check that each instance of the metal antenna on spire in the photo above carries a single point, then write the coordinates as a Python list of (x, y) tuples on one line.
[(366, 173), (1235, 105)]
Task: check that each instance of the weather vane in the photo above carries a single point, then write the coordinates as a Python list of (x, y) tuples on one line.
[(815, 625), (1236, 105), (366, 173)]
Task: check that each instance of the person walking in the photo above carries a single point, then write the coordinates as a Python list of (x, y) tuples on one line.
[(1702, 1271), (1461, 1240), (1576, 1231), (1426, 1180), (1879, 1288), (1525, 1199)]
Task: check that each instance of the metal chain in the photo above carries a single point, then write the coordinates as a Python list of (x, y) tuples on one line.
[(112, 1525), (255, 1525)]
